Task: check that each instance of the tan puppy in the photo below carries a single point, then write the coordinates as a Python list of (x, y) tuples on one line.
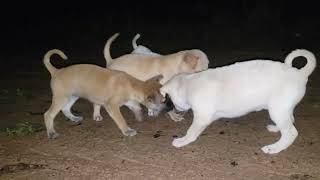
[(108, 88), (144, 66)]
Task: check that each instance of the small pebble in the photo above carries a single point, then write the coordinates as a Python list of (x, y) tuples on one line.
[(233, 163), (311, 143)]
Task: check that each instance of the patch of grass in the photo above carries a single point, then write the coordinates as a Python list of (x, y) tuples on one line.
[(22, 129), (15, 95)]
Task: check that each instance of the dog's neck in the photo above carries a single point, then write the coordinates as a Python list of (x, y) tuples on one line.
[(170, 69), (141, 90), (139, 95)]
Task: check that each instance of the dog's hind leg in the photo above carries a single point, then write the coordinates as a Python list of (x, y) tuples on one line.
[(50, 114), (284, 122), (199, 124), (67, 109), (274, 128)]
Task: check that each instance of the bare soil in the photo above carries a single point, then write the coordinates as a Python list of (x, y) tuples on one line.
[(228, 148)]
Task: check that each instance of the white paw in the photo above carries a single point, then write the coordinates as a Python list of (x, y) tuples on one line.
[(151, 112), (130, 132), (179, 142), (53, 135), (273, 128), (98, 118), (176, 117), (270, 149), (76, 118)]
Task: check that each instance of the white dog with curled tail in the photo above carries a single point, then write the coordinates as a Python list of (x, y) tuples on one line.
[(139, 49), (235, 90)]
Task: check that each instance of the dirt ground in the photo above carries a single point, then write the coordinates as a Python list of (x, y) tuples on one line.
[(228, 148)]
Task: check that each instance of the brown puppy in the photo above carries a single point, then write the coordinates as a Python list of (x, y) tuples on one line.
[(144, 66), (108, 88)]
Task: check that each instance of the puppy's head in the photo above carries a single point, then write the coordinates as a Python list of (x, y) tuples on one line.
[(174, 91), (153, 100), (194, 61), (189, 63)]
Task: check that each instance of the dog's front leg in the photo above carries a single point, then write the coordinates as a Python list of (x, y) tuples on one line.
[(199, 124), (96, 112), (114, 112)]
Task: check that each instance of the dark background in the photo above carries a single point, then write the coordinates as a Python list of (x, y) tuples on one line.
[(80, 29)]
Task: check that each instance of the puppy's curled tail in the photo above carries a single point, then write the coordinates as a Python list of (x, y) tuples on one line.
[(46, 59), (311, 60), (134, 41), (106, 50)]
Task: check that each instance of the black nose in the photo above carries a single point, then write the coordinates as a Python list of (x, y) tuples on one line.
[(169, 104)]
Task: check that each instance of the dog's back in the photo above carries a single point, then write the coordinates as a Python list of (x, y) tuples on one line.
[(84, 79), (249, 86), (143, 66)]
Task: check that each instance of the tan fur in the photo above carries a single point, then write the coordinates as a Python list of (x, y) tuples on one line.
[(46, 59), (142, 67), (108, 88)]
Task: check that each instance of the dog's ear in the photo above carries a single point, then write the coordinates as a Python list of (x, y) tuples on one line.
[(191, 60), (156, 78)]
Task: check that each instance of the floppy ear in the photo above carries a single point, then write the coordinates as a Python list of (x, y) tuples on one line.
[(191, 60), (156, 78)]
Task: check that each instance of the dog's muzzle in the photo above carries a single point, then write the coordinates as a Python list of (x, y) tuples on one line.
[(166, 106)]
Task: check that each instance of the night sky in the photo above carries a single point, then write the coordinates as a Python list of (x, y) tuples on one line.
[(81, 29)]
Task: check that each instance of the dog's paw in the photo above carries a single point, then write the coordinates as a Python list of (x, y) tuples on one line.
[(75, 123), (53, 135), (98, 118), (152, 113), (273, 128), (130, 132), (176, 117), (179, 142), (270, 149), (76, 119)]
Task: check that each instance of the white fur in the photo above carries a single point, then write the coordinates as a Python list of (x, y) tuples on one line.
[(139, 49), (235, 90)]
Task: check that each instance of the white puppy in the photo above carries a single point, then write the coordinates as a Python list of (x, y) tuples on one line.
[(235, 90), (139, 49)]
